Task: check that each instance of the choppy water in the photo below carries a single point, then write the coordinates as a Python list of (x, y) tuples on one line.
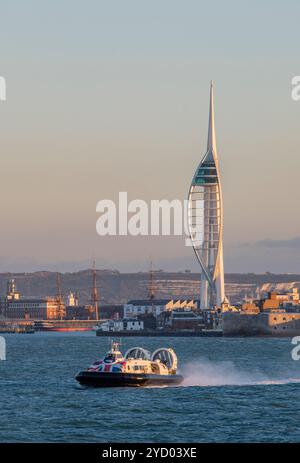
[(236, 390)]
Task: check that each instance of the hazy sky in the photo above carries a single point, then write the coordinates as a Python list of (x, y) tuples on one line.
[(105, 97)]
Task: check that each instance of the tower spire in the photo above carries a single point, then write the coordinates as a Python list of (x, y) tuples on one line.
[(211, 139), (206, 219)]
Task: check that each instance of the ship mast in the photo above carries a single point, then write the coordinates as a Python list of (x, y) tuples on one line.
[(95, 296), (151, 287), (59, 297)]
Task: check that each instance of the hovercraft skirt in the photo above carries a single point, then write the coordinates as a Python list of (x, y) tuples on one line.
[(99, 379)]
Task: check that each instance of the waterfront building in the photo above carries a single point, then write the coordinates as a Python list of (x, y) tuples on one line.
[(135, 308), (186, 319), (126, 324), (205, 220), (250, 307), (273, 301), (46, 308), (72, 300), (29, 308), (276, 314)]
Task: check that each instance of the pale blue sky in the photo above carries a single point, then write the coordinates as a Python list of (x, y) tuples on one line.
[(113, 96)]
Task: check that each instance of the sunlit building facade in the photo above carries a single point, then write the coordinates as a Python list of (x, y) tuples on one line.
[(205, 219), (14, 306)]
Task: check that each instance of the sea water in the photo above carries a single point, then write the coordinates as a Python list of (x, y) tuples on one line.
[(235, 390)]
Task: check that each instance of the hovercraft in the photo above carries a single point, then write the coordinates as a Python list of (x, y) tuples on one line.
[(137, 368)]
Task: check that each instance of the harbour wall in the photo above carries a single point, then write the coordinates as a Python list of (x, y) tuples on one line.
[(277, 324)]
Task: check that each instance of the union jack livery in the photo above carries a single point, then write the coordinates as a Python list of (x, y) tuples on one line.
[(117, 367)]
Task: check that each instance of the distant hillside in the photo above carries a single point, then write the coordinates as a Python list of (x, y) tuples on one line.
[(118, 287)]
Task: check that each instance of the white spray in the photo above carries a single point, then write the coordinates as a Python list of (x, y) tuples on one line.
[(207, 373)]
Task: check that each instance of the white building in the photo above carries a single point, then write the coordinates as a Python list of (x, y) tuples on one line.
[(142, 307), (135, 308), (127, 324)]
